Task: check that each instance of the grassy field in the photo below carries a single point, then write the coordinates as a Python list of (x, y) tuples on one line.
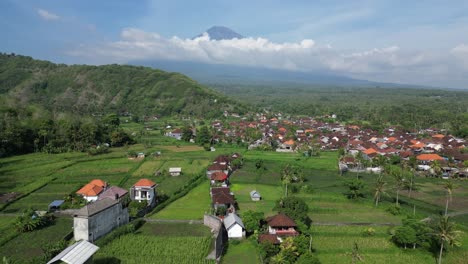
[(190, 207), (334, 244), (28, 245), (243, 253)]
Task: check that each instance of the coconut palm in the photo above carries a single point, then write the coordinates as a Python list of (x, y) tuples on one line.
[(445, 232), (379, 189), (399, 181), (448, 186)]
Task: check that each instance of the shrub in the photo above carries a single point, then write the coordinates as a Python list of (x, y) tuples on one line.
[(369, 231), (394, 209)]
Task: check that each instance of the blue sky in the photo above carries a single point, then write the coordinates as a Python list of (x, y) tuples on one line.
[(418, 42)]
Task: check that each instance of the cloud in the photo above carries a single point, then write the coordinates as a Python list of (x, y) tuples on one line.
[(390, 63), (46, 15)]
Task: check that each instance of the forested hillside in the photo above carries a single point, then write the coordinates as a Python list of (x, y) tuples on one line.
[(58, 108), (108, 88)]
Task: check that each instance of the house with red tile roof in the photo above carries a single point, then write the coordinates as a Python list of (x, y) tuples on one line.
[(144, 190), (281, 225), (219, 177), (222, 197), (429, 157), (90, 192)]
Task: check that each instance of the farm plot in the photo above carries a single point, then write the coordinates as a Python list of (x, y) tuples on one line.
[(28, 245), (110, 170), (243, 253), (175, 229), (40, 199), (141, 248), (334, 244), (190, 207), (270, 194)]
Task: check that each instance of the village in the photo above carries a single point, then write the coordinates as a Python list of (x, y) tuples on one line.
[(428, 152)]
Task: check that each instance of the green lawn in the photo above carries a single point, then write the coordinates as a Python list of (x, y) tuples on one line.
[(190, 207), (243, 253)]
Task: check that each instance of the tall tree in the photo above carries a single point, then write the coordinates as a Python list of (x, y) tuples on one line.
[(449, 187), (446, 234), (379, 189)]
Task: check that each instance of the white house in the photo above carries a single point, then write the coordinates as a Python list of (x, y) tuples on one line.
[(175, 171), (234, 226), (144, 190), (176, 133)]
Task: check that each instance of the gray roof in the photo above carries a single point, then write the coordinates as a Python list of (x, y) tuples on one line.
[(112, 192), (96, 207), (77, 253), (56, 203), (232, 219), (255, 194)]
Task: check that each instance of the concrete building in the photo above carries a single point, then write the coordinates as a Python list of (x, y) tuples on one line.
[(99, 218), (144, 190)]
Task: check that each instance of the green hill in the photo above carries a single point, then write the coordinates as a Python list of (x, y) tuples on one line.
[(108, 88)]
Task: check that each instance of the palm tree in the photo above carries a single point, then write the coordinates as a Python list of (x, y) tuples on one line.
[(399, 181), (444, 231), (286, 177), (379, 189), (448, 186)]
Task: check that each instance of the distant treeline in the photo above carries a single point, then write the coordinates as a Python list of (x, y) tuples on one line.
[(376, 107), (25, 130)]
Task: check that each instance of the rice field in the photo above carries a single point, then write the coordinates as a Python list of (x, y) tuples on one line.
[(190, 207), (138, 248)]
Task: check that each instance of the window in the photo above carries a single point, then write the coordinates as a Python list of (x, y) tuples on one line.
[(143, 194)]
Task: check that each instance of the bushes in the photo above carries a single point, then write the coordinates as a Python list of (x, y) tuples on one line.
[(30, 221), (394, 209)]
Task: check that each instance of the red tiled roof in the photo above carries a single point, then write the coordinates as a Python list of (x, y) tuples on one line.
[(145, 183), (99, 182), (90, 190), (429, 157), (219, 176), (289, 142), (222, 195), (217, 167), (369, 151), (280, 220)]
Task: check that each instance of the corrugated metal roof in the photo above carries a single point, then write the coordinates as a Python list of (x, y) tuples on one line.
[(231, 219), (77, 253)]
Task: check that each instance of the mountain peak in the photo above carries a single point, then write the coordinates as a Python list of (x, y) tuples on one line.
[(221, 32)]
